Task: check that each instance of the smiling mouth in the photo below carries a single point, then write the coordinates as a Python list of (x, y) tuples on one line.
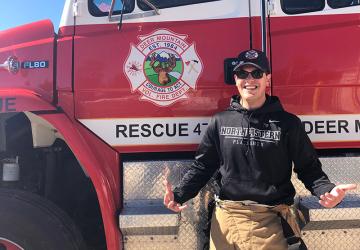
[(250, 87)]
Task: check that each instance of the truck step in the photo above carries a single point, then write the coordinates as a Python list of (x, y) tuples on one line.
[(146, 223)]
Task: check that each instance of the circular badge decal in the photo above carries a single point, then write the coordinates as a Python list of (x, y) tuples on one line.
[(163, 67)]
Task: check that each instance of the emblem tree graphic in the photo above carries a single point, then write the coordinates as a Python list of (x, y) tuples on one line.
[(163, 67)]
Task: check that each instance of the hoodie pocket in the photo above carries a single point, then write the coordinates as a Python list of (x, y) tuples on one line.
[(236, 189), (233, 188)]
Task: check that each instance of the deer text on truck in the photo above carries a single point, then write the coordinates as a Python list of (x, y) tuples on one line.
[(95, 116)]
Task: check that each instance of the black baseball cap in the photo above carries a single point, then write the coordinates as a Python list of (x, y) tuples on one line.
[(255, 58)]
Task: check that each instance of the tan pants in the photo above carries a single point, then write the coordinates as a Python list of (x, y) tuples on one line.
[(235, 226)]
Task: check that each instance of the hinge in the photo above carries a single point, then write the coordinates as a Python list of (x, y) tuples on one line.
[(271, 7), (76, 9)]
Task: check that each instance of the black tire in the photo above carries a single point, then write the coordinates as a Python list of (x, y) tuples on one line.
[(35, 223)]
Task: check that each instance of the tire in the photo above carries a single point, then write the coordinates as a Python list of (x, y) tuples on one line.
[(33, 223)]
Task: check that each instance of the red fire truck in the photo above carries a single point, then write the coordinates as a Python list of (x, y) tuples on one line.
[(94, 117)]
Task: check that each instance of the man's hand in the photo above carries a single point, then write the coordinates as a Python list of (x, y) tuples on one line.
[(169, 199), (336, 195)]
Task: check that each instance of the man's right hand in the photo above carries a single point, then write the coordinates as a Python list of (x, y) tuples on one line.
[(169, 199)]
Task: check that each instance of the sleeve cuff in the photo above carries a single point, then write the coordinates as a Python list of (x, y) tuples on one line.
[(178, 196), (323, 189)]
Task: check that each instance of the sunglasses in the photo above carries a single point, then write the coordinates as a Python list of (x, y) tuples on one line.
[(256, 74)]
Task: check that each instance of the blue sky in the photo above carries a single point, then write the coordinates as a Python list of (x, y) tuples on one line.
[(17, 12)]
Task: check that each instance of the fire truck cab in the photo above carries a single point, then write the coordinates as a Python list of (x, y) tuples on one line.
[(94, 117)]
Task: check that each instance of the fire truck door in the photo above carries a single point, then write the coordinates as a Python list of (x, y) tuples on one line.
[(315, 57), (152, 65)]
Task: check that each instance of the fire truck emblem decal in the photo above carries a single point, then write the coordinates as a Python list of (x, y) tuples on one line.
[(163, 67)]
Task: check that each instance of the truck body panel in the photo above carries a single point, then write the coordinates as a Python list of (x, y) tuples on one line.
[(33, 46), (132, 98)]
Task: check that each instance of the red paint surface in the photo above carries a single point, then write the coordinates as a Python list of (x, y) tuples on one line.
[(66, 102), (315, 66), (18, 100), (316, 63), (64, 64), (103, 91), (31, 42), (156, 148)]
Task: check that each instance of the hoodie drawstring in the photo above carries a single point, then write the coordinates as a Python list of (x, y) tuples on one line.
[(248, 135)]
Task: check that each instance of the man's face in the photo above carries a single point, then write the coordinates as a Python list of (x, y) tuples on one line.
[(250, 89)]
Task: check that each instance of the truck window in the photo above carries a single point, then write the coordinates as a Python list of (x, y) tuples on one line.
[(296, 7), (102, 7), (162, 4), (342, 3)]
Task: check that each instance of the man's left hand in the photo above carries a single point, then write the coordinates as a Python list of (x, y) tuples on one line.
[(336, 195)]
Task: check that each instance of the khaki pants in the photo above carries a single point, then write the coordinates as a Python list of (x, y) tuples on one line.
[(235, 226)]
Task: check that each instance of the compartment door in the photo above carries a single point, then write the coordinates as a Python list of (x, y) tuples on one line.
[(315, 66)]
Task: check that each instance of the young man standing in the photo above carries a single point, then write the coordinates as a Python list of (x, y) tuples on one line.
[(254, 144)]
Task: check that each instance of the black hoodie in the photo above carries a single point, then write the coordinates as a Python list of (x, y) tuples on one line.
[(254, 150)]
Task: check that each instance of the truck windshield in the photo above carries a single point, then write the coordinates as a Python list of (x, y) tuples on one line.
[(342, 3), (102, 7), (297, 7), (162, 4)]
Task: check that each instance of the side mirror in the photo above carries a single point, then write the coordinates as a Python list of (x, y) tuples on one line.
[(229, 65), (120, 6)]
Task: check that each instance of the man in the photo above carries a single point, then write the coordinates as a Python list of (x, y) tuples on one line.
[(254, 144)]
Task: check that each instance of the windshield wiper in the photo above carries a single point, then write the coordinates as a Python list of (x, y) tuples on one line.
[(155, 11), (152, 6), (122, 12)]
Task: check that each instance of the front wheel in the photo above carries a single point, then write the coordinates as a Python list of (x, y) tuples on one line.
[(29, 222)]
